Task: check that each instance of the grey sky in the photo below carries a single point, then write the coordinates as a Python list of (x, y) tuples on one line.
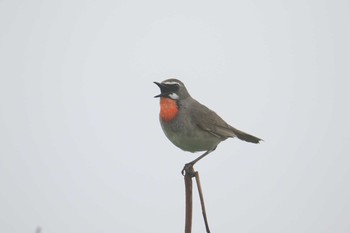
[(81, 148)]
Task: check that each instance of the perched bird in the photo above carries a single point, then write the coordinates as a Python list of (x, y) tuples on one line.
[(190, 125)]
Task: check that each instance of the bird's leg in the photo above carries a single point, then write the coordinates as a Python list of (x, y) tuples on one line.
[(199, 158), (188, 168)]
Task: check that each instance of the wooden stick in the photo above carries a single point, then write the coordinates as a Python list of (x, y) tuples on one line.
[(189, 172), (202, 202), (188, 191)]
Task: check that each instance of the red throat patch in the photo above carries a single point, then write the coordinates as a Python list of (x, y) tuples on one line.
[(168, 109)]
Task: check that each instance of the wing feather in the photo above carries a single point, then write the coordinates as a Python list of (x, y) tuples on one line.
[(211, 122)]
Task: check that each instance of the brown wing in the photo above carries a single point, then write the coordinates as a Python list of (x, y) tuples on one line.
[(211, 122)]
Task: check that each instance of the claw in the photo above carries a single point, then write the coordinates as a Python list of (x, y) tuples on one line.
[(188, 169)]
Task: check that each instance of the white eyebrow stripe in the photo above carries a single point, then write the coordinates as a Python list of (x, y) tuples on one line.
[(171, 83)]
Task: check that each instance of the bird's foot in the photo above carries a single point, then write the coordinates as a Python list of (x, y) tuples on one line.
[(188, 169)]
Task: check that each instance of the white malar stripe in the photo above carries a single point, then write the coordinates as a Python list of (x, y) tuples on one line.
[(174, 96)]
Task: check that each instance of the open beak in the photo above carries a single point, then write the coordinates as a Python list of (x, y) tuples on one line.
[(163, 89)]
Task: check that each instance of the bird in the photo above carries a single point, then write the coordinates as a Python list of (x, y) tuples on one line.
[(190, 125)]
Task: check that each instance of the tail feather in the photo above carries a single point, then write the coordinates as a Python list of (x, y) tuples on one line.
[(246, 137)]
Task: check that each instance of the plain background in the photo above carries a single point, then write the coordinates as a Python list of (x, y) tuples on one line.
[(81, 148)]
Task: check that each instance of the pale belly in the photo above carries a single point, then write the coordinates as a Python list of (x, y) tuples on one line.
[(191, 140)]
